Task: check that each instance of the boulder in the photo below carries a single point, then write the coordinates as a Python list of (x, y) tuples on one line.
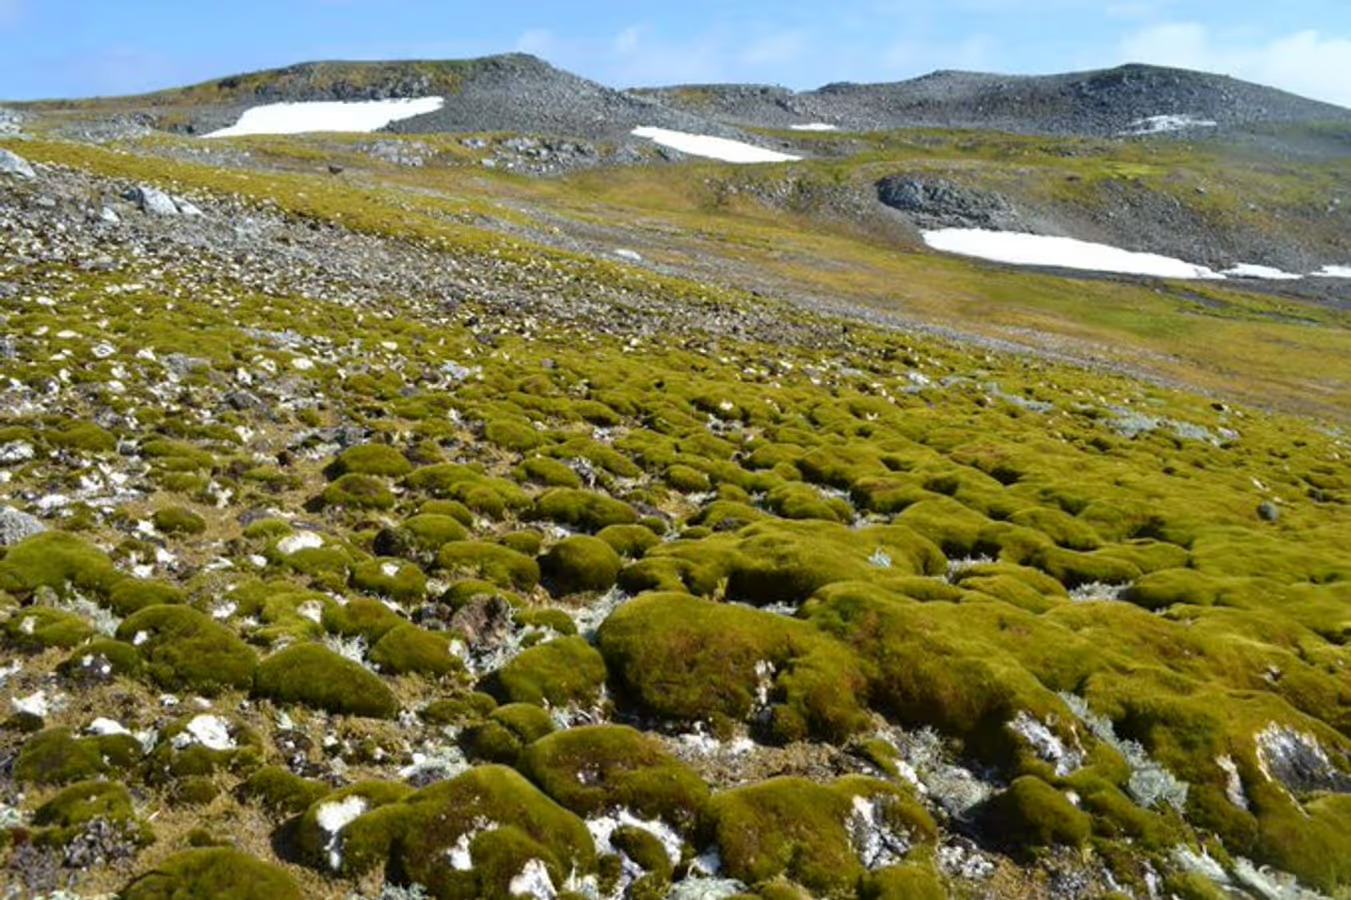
[(152, 201), (14, 164), (16, 525)]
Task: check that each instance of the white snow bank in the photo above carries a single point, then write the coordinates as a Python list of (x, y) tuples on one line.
[(298, 118), (1333, 272), (712, 147), (814, 126), (1265, 273), (1065, 253), (1164, 124)]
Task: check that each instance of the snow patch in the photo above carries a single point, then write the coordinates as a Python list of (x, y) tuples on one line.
[(1018, 248), (815, 126), (299, 118), (1333, 272), (212, 732), (1168, 123), (332, 818), (35, 704), (534, 881), (718, 148), (301, 540), (1264, 273)]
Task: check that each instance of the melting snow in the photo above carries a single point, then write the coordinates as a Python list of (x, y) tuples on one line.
[(301, 540), (1333, 272), (718, 148), (211, 732), (34, 704), (814, 126), (1164, 124), (1268, 273), (1066, 253), (534, 881), (298, 118), (333, 818)]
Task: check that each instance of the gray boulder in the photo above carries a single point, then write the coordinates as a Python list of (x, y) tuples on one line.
[(16, 525), (16, 165), (941, 204), (152, 200)]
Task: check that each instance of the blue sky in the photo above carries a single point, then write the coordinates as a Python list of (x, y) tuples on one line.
[(63, 48)]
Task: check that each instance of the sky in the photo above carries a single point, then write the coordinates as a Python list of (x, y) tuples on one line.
[(76, 48)]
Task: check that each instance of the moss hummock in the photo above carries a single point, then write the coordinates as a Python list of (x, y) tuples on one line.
[(185, 650), (560, 672), (316, 676), (216, 872), (594, 768)]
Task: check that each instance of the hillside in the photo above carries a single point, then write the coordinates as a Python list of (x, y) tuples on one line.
[(1102, 103), (462, 511)]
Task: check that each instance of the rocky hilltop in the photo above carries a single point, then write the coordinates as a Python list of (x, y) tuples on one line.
[(1132, 99), (413, 515)]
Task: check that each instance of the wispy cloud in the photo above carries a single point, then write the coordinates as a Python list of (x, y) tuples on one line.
[(1304, 62)]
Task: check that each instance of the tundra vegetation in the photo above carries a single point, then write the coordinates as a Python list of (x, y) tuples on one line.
[(398, 594)]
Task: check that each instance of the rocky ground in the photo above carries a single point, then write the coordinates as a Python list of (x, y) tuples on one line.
[(340, 563)]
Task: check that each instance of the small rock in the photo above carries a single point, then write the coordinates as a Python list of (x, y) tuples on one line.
[(16, 525), (1268, 511), (16, 165)]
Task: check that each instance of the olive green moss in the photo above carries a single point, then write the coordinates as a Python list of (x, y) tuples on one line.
[(527, 542), (585, 510), (514, 435), (177, 757), (549, 472), (358, 492), (312, 841), (413, 835), (491, 562), (185, 650), (369, 459), (423, 534), (408, 583), (84, 802), (914, 881), (217, 872), (57, 560), (280, 792), (360, 617), (560, 672), (37, 628), (56, 756), (461, 709), (629, 541), (580, 563), (591, 769), (178, 520), (507, 731), (798, 829), (89, 659), (406, 649), (554, 619), (82, 437), (1030, 814), (687, 659), (315, 676), (134, 594)]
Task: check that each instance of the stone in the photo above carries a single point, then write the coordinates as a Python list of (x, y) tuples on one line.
[(16, 525), (14, 164), (152, 201)]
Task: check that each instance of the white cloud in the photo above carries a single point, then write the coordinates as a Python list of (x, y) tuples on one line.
[(1303, 62)]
